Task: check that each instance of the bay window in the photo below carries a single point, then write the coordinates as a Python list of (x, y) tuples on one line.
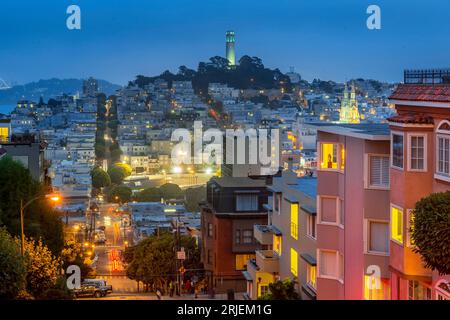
[(332, 156), (443, 155), (417, 152), (247, 202)]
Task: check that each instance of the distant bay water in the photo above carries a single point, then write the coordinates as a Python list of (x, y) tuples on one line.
[(6, 108)]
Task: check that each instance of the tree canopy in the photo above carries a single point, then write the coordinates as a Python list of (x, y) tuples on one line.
[(151, 194), (152, 260), (117, 173), (120, 194), (171, 191), (194, 196), (41, 220), (282, 290), (43, 268), (100, 178), (12, 266), (430, 231), (249, 73)]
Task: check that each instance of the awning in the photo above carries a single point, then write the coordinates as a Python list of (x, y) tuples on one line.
[(291, 199), (308, 258), (309, 209)]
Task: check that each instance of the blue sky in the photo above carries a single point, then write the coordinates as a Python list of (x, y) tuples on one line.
[(325, 39)]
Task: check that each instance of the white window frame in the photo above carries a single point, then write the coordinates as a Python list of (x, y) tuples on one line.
[(403, 225), (338, 222), (367, 169), (425, 151), (392, 149), (309, 219), (338, 156), (446, 135), (366, 231), (337, 272)]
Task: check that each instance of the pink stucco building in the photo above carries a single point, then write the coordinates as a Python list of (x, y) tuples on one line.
[(353, 212)]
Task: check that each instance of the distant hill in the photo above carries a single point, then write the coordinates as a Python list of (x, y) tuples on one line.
[(49, 89)]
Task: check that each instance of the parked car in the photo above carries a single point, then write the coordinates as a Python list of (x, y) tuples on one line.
[(89, 290), (99, 283)]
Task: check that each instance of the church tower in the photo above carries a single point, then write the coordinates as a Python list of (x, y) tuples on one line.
[(230, 54), (349, 112)]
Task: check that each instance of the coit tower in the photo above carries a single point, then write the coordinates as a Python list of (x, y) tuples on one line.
[(230, 54)]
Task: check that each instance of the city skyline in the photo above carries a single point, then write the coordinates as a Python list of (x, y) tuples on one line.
[(118, 42)]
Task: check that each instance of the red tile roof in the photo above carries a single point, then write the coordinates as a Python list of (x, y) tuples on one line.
[(411, 118), (422, 92)]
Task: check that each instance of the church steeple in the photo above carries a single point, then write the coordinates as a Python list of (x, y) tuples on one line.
[(349, 112)]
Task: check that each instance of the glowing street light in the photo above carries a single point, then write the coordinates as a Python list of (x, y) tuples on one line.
[(55, 198)]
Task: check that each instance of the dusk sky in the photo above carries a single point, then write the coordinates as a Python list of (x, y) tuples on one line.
[(119, 39)]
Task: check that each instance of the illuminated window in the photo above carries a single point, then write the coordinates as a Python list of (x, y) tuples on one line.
[(410, 229), (342, 158), (242, 260), (311, 276), (417, 291), (277, 243), (294, 262), (294, 220), (329, 156), (376, 289), (263, 290), (4, 133), (397, 224)]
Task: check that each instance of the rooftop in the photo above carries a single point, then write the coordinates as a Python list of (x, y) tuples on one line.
[(241, 182), (422, 92), (307, 185), (368, 131)]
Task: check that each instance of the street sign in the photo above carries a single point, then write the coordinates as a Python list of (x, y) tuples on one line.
[(181, 255)]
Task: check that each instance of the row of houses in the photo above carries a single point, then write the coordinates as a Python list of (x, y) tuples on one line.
[(344, 234)]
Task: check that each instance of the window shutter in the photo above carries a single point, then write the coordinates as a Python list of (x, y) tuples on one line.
[(385, 171), (375, 171), (379, 171)]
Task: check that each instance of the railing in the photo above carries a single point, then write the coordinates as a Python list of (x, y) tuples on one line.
[(430, 76)]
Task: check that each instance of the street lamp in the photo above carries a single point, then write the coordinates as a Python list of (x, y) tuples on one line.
[(55, 198)]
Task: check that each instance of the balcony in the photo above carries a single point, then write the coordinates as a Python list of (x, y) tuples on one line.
[(268, 261), (264, 233)]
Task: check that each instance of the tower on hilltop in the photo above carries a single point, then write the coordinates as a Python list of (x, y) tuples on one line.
[(230, 54)]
